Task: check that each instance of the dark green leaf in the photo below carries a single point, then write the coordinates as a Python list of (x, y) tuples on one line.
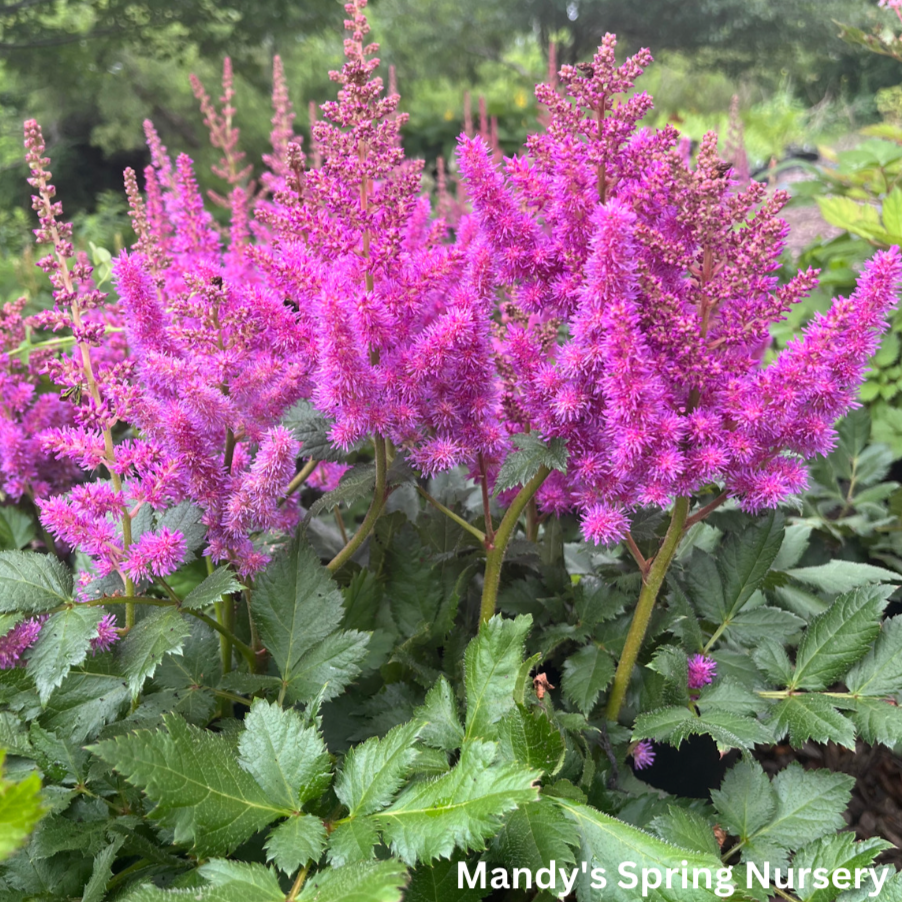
[(63, 642), (838, 638), (606, 842), (586, 674), (16, 529), (811, 716), (357, 483), (33, 582), (877, 720), (221, 581), (832, 853), (521, 465), (745, 801), (843, 576), (374, 771), (492, 664), (532, 739), (298, 608), (879, 673), (458, 810), (439, 713), (810, 804), (534, 835), (686, 829), (296, 842), (439, 883), (288, 760), (194, 781), (163, 631), (675, 724), (353, 841), (377, 881)]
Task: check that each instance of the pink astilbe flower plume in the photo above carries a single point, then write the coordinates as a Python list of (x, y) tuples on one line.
[(107, 634), (643, 754), (18, 640), (658, 285), (702, 671)]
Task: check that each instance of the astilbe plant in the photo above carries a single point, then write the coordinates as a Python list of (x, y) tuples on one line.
[(588, 343)]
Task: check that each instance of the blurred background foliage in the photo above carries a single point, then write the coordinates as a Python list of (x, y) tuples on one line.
[(93, 71)]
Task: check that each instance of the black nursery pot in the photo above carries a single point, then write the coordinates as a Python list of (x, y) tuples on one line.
[(692, 770)]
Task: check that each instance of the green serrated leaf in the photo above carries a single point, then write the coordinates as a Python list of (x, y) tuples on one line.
[(879, 673), (838, 638), (532, 452), (9, 622), (832, 853), (221, 581), (162, 632), (89, 698), (296, 842), (532, 739), (95, 890), (675, 724), (606, 842), (492, 663), (311, 429), (746, 802), (13, 737), (441, 721), (353, 841), (843, 576), (288, 760), (377, 881), (534, 835), (374, 771), (239, 881), (811, 716), (17, 529), (876, 719), (686, 829), (750, 627), (195, 784), (810, 804), (458, 810), (298, 609), (586, 674), (439, 883), (727, 694), (357, 483), (796, 539), (771, 657), (721, 587), (414, 588), (33, 582), (63, 642)]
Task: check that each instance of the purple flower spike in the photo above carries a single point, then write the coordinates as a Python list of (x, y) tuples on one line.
[(17, 640), (107, 634), (702, 671), (643, 755)]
